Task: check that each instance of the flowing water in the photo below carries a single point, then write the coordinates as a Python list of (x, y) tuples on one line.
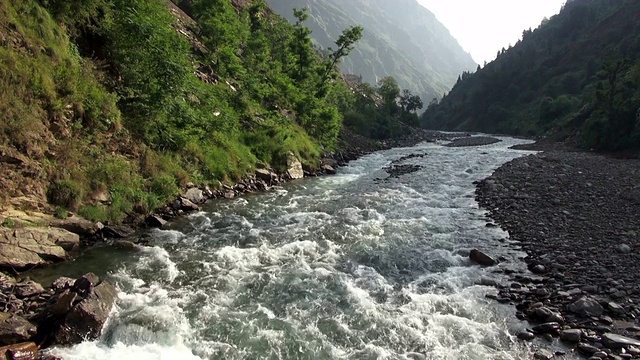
[(351, 266)]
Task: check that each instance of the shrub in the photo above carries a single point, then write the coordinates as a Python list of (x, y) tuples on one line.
[(66, 193)]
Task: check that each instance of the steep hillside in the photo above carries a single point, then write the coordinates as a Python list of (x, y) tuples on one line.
[(401, 39), (108, 108), (576, 77)]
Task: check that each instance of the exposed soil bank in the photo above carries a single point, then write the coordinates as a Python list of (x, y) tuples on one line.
[(577, 216)]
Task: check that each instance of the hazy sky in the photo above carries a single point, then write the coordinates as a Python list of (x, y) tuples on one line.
[(483, 27)]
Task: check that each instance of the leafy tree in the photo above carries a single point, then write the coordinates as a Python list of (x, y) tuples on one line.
[(345, 44)]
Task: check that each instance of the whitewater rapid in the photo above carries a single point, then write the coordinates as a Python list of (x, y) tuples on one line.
[(353, 266)]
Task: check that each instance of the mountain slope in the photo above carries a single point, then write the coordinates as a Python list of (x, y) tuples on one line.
[(577, 77), (401, 39)]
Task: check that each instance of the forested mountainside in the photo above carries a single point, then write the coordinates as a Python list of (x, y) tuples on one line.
[(576, 77), (401, 39), (109, 107)]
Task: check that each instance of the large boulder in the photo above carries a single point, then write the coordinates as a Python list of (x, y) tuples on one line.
[(266, 175), (194, 195), (14, 329), (294, 167), (614, 341), (32, 246), (85, 319)]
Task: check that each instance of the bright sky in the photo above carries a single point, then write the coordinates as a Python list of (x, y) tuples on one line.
[(483, 27)]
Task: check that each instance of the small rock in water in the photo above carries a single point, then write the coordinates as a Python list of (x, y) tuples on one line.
[(571, 335), (543, 354), (481, 258), (526, 335)]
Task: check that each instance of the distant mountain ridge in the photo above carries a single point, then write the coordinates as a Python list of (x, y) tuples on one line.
[(401, 39), (576, 77)]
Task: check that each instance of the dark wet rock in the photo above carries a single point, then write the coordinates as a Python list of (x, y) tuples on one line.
[(14, 329), (64, 303), (266, 175), (526, 335), (586, 349), (84, 284), (187, 205), (614, 341), (587, 306), (550, 327), (155, 221), (571, 335), (86, 319), (117, 231), (481, 258)]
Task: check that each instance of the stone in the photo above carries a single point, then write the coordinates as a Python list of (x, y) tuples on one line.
[(328, 169), (481, 258), (526, 335), (615, 307), (21, 351), (614, 341), (229, 194), (624, 248), (546, 327), (266, 175), (543, 354), (586, 306), (155, 221), (62, 283), (187, 205), (34, 246), (571, 335), (86, 319), (14, 329), (294, 167), (587, 349), (84, 284), (117, 231), (195, 195), (27, 288), (6, 282)]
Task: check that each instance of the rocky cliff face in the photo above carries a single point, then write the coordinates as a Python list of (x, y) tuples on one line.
[(401, 39)]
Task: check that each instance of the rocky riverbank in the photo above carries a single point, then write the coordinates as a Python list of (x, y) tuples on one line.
[(576, 215)]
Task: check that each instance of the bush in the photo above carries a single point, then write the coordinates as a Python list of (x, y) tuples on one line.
[(65, 193)]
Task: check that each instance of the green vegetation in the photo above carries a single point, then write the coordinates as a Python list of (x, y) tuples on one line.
[(117, 104), (576, 78)]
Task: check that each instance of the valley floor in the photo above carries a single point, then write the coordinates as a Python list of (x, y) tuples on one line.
[(576, 216)]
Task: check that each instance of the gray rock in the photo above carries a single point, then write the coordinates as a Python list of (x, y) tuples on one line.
[(587, 306), (587, 349), (615, 307), (614, 341), (76, 225), (187, 205), (14, 329), (86, 319), (543, 354), (33, 246), (571, 335), (294, 167), (195, 195), (624, 248), (481, 258)]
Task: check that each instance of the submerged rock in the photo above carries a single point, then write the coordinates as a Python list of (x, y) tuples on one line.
[(481, 258)]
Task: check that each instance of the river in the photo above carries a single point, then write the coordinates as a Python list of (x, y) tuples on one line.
[(357, 265)]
